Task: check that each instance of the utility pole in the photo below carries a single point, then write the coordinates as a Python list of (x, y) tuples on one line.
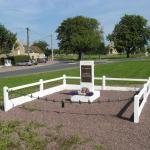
[(52, 46), (27, 40)]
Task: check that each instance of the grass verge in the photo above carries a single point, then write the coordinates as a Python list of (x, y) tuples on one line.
[(130, 69)]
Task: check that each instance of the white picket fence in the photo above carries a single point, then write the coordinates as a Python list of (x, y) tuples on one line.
[(10, 103), (140, 99)]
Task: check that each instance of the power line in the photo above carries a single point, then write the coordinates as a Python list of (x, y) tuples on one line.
[(28, 41), (41, 38), (37, 33)]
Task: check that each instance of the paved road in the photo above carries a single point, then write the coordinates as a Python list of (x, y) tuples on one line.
[(47, 68), (59, 66)]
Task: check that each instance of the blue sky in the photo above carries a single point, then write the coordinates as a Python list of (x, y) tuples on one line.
[(44, 16)]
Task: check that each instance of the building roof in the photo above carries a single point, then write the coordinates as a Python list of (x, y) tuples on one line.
[(33, 49)]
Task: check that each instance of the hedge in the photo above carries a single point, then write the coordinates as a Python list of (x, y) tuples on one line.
[(1, 63), (21, 58), (15, 59)]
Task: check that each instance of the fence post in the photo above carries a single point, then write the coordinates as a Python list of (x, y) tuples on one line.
[(64, 80), (41, 85), (136, 109), (145, 92), (6, 98), (103, 82), (148, 85)]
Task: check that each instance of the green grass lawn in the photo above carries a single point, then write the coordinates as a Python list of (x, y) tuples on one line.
[(96, 57), (130, 69)]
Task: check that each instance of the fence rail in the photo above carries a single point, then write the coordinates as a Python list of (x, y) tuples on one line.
[(104, 79), (140, 99), (69, 77), (53, 80), (141, 96), (24, 86), (112, 79), (126, 79), (8, 104)]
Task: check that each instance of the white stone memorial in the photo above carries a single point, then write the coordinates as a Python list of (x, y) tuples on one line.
[(87, 92)]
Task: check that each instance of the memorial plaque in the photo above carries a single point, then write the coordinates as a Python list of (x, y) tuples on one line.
[(86, 73)]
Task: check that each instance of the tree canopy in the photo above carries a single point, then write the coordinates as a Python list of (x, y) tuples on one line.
[(79, 35), (7, 40), (130, 34)]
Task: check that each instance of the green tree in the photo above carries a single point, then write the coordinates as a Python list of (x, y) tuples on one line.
[(130, 34), (148, 48), (102, 49), (79, 35), (7, 40), (48, 52)]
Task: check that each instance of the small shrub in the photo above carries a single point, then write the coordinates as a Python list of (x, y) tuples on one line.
[(15, 59), (21, 58), (6, 143), (8, 127), (58, 128), (1, 62), (69, 143), (99, 147), (35, 125), (30, 138)]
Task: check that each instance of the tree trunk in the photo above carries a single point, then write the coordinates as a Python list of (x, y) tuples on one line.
[(99, 56), (128, 54), (80, 55)]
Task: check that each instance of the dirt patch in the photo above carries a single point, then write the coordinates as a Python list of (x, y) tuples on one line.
[(107, 124)]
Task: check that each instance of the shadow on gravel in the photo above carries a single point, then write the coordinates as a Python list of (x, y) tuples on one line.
[(67, 112), (124, 110), (1, 105)]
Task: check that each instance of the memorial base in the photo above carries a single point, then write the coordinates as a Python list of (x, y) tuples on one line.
[(86, 99)]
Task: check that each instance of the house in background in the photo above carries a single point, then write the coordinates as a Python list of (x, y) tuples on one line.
[(112, 49), (20, 49), (35, 52)]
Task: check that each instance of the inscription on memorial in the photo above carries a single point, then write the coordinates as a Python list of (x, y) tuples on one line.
[(86, 73)]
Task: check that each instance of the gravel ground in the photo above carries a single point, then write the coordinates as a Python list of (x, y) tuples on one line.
[(108, 122)]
